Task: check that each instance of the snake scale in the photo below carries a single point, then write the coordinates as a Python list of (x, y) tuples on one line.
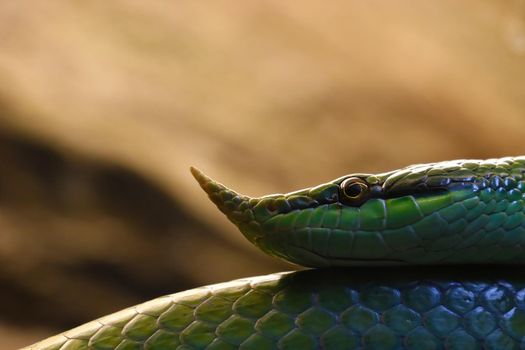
[(467, 216)]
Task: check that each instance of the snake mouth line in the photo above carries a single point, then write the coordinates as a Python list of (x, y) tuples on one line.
[(341, 261)]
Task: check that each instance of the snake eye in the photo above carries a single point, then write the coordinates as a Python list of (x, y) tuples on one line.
[(354, 189)]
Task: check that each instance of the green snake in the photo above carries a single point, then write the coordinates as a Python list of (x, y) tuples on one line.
[(454, 212)]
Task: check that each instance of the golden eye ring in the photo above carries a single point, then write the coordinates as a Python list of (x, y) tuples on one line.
[(354, 189)]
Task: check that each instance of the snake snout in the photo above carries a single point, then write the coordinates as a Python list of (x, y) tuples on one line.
[(231, 203)]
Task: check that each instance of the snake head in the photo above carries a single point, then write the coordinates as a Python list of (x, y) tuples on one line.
[(279, 224), (460, 211), (247, 213), (251, 214)]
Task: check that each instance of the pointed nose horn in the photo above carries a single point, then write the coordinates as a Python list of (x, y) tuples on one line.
[(231, 203)]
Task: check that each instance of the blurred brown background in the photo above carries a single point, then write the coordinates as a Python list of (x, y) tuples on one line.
[(104, 106)]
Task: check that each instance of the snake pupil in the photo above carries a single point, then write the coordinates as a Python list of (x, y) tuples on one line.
[(353, 190)]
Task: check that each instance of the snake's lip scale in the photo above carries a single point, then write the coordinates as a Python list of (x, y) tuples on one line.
[(325, 261)]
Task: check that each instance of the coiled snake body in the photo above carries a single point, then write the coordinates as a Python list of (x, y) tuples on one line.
[(456, 212)]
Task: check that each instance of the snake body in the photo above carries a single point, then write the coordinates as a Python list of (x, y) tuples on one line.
[(454, 212)]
